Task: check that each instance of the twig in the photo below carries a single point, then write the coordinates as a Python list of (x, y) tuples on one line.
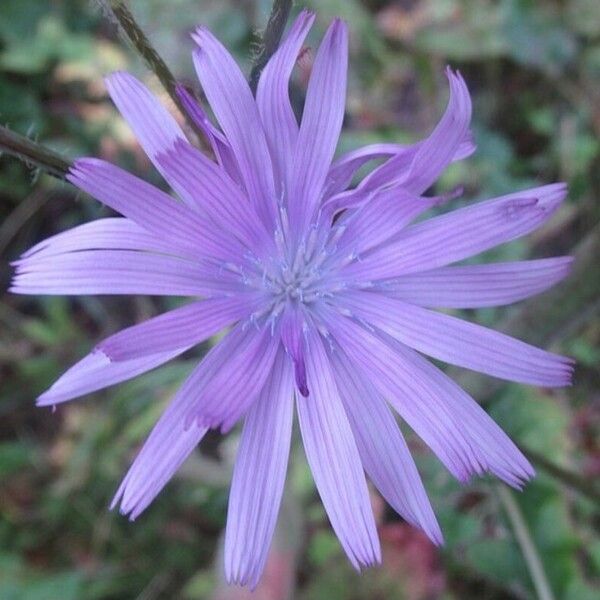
[(585, 486), (32, 153), (270, 38), (525, 541), (134, 33)]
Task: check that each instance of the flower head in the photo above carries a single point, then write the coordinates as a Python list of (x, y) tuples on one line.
[(328, 291)]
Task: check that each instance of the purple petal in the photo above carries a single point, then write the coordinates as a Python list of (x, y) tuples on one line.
[(475, 286), (185, 326), (153, 125), (231, 100), (383, 451), (460, 342), (334, 460), (439, 149), (460, 234), (151, 209), (451, 423), (292, 336), (236, 384), (217, 140), (273, 101), (104, 234), (118, 272), (321, 124), (217, 195), (96, 371), (259, 477), (342, 171), (165, 450)]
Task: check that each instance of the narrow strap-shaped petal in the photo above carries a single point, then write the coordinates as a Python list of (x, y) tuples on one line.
[(113, 233), (165, 450), (438, 150), (119, 272), (383, 451), (153, 125), (321, 124), (259, 477), (343, 169), (460, 342), (410, 394), (217, 195), (231, 100), (475, 286), (232, 389), (382, 218), (292, 336), (460, 234), (334, 460), (273, 100), (185, 326), (219, 144), (96, 371), (151, 208)]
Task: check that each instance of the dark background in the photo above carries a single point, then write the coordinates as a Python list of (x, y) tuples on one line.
[(534, 71)]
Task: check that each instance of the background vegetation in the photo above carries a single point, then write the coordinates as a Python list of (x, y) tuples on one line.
[(534, 71)]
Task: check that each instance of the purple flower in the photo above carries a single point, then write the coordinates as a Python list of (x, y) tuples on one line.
[(328, 291)]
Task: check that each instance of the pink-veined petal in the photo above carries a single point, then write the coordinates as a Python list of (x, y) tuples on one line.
[(259, 477)]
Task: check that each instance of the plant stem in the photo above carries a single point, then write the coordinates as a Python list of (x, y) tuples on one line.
[(525, 541), (270, 38), (32, 153), (118, 9)]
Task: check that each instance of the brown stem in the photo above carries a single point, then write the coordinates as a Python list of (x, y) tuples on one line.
[(280, 13), (32, 153)]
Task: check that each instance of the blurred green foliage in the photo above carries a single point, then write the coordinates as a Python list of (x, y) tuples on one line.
[(534, 71)]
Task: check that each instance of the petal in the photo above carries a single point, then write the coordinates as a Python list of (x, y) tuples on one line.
[(334, 460), (321, 124), (460, 234), (150, 208), (185, 326), (216, 194), (119, 272), (165, 450), (103, 234), (236, 384), (292, 336), (259, 477), (383, 451), (217, 140), (459, 342), (231, 100), (342, 171), (273, 101), (96, 371), (439, 149), (475, 286), (153, 125), (451, 423)]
